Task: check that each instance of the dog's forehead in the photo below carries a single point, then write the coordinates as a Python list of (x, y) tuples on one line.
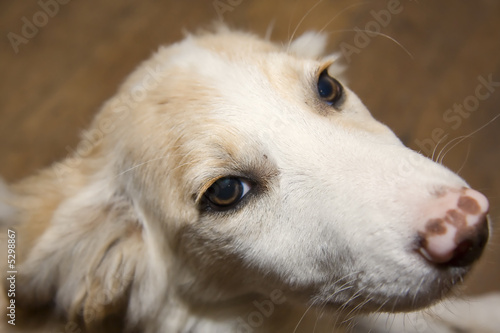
[(233, 42), (232, 83), (229, 105), (240, 79), (222, 106), (262, 88), (235, 74), (251, 67)]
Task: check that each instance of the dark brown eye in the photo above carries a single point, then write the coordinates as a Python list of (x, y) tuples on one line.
[(226, 192), (329, 89)]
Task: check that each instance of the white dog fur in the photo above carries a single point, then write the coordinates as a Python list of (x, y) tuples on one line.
[(116, 236)]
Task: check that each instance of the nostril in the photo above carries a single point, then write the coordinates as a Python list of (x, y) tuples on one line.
[(463, 248), (470, 249), (464, 254), (458, 234), (454, 247)]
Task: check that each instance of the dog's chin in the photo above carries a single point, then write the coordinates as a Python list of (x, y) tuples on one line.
[(391, 296), (389, 304)]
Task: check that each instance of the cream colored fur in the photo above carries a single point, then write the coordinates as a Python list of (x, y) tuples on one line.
[(113, 237)]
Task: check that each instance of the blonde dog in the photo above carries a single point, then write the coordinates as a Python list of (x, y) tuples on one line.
[(236, 185)]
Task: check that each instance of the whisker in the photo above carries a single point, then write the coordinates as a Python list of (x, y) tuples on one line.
[(341, 12), (465, 160), (270, 29), (346, 303), (300, 22), (295, 5), (346, 286), (358, 307), (342, 288), (437, 144), (139, 165), (374, 320), (392, 321), (418, 289), (462, 138), (303, 316), (378, 34), (324, 302)]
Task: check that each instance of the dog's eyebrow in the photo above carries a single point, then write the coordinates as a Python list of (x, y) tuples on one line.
[(324, 65)]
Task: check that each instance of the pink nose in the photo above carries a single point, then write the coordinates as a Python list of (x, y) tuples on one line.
[(457, 229)]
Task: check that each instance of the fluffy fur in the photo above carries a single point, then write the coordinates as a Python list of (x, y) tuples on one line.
[(114, 237)]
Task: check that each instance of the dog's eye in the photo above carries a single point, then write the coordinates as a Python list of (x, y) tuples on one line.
[(226, 192), (329, 89)]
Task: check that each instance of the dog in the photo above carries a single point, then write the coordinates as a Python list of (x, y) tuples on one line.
[(236, 185)]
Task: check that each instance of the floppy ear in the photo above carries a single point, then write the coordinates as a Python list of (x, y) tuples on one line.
[(310, 44), (85, 260)]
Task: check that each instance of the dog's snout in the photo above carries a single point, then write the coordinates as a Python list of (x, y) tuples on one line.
[(457, 228)]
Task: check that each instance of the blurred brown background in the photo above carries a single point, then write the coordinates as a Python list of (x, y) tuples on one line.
[(55, 76)]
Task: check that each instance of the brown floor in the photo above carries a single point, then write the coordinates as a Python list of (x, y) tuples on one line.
[(430, 58)]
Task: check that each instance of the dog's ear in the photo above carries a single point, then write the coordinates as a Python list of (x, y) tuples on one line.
[(85, 260), (311, 44)]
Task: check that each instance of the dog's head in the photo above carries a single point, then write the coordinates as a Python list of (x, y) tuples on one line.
[(251, 167), (258, 169)]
